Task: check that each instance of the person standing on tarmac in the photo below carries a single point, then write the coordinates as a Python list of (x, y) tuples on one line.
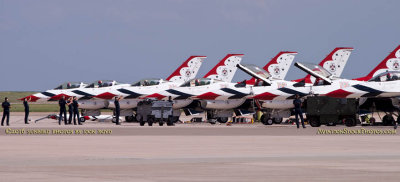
[(76, 110), (26, 107), (297, 111), (117, 110), (63, 110), (6, 111), (70, 110)]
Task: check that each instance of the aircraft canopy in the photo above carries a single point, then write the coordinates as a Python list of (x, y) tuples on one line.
[(386, 76), (199, 82), (148, 82), (68, 85)]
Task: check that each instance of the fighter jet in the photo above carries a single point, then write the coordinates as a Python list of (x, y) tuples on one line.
[(274, 110), (84, 91)]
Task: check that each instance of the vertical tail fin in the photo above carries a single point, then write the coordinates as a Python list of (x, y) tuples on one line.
[(390, 63), (334, 62), (188, 70), (226, 68), (279, 66)]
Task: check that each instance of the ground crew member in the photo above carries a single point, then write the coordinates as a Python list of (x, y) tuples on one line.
[(70, 110), (117, 110), (26, 107), (76, 110), (6, 111), (298, 111), (63, 110)]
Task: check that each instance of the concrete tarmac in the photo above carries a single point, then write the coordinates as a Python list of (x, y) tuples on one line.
[(195, 152)]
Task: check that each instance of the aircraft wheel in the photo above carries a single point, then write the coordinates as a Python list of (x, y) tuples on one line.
[(349, 122), (264, 119), (387, 120), (222, 119), (129, 118), (314, 122), (270, 121), (278, 120)]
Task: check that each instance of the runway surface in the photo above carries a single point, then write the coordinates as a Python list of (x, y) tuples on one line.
[(195, 152)]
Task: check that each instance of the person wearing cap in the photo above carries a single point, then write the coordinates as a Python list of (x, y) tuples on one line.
[(63, 110), (117, 109), (6, 111), (297, 111), (76, 111), (26, 108), (70, 110)]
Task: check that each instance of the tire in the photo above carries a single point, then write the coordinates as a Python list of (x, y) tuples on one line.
[(150, 121), (263, 119), (270, 121), (349, 122), (82, 119), (114, 120), (387, 120), (141, 122), (130, 118), (222, 119), (161, 123), (314, 122), (278, 120)]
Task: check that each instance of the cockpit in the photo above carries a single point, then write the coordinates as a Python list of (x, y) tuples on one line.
[(148, 82), (317, 69), (261, 75), (69, 85), (257, 70), (323, 77), (386, 76), (199, 82), (102, 83)]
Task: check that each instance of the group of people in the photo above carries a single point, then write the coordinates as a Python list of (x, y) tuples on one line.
[(73, 110), (71, 103), (6, 111)]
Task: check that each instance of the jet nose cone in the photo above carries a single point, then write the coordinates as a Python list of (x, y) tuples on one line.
[(208, 96), (156, 95), (106, 95)]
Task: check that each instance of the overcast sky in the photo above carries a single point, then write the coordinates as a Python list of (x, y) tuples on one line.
[(44, 43)]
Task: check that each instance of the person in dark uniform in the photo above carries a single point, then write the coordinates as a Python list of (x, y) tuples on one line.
[(26, 107), (6, 111), (117, 110), (297, 111), (70, 110), (76, 110), (63, 110)]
